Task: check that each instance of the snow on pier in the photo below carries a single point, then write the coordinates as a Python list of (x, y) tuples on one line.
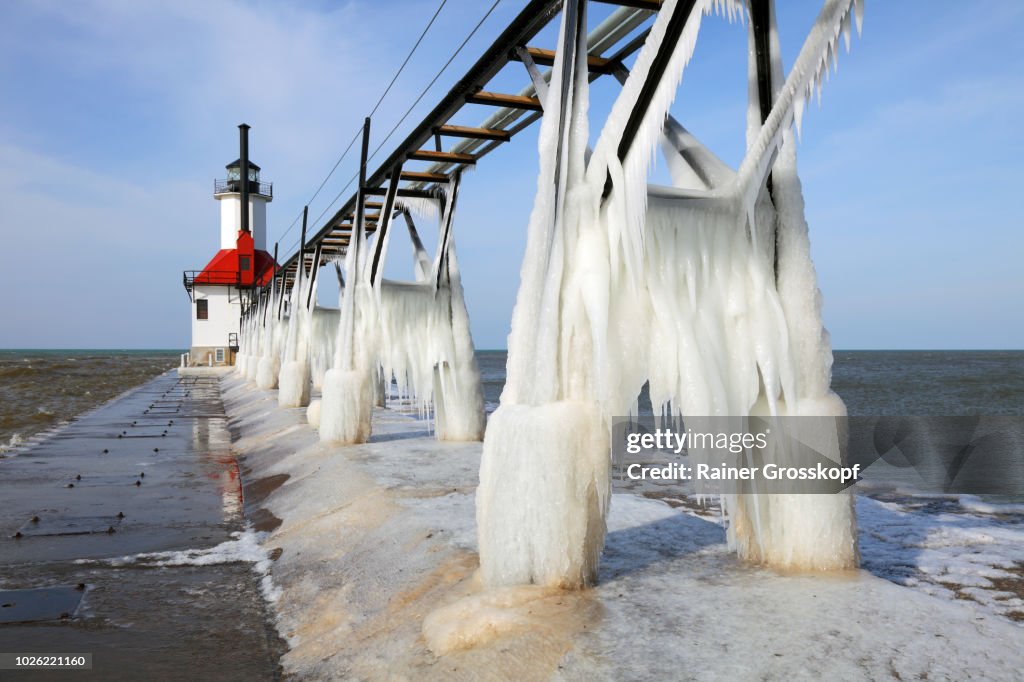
[(377, 578)]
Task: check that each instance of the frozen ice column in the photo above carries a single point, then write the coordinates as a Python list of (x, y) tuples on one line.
[(544, 476)]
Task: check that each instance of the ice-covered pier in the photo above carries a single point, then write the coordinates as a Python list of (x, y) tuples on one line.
[(703, 291), (377, 578), (439, 555)]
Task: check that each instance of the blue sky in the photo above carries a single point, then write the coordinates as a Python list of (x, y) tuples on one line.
[(116, 115)]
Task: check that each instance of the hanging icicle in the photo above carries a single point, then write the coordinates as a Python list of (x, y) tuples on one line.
[(424, 342)]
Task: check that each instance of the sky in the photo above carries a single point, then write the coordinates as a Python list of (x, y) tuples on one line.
[(117, 115)]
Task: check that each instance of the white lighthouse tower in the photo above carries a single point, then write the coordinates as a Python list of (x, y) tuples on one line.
[(241, 265)]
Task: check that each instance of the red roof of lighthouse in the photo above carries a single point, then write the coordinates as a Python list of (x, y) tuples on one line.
[(223, 268)]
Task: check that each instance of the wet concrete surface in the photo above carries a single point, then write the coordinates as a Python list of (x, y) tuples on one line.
[(150, 472)]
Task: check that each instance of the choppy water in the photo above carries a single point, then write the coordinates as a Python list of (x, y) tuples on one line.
[(899, 384), (891, 383), (946, 383), (42, 389)]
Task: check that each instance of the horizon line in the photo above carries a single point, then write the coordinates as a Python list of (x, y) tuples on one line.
[(505, 350)]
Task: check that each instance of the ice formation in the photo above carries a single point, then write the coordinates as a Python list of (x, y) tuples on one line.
[(347, 395), (415, 334), (706, 290), (313, 413), (263, 338), (457, 395), (544, 484), (424, 340), (346, 406), (272, 340), (424, 344), (295, 376), (323, 335)]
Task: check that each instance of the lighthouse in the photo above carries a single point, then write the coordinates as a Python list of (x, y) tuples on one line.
[(220, 291)]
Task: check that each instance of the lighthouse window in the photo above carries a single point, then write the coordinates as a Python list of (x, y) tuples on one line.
[(202, 309), (243, 263)]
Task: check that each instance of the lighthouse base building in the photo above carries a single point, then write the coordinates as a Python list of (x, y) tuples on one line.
[(220, 291)]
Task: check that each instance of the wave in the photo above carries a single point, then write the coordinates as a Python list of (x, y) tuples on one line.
[(15, 372), (42, 416), (976, 504), (14, 443), (39, 390)]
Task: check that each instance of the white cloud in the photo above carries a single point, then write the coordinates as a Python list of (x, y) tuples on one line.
[(302, 75)]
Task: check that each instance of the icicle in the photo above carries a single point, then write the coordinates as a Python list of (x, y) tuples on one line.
[(802, 79), (604, 158), (424, 343), (729, 9), (269, 364), (427, 209), (294, 377)]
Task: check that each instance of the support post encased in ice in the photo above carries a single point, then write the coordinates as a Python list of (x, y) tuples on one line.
[(805, 531), (269, 366), (347, 404), (380, 388), (294, 379), (314, 273), (543, 495), (544, 475)]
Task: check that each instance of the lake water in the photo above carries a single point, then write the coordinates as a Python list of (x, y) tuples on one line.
[(891, 383), (43, 389)]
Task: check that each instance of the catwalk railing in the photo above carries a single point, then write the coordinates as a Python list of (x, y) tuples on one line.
[(610, 43), (265, 189)]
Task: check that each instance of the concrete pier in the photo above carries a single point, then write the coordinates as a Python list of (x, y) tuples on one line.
[(132, 515)]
